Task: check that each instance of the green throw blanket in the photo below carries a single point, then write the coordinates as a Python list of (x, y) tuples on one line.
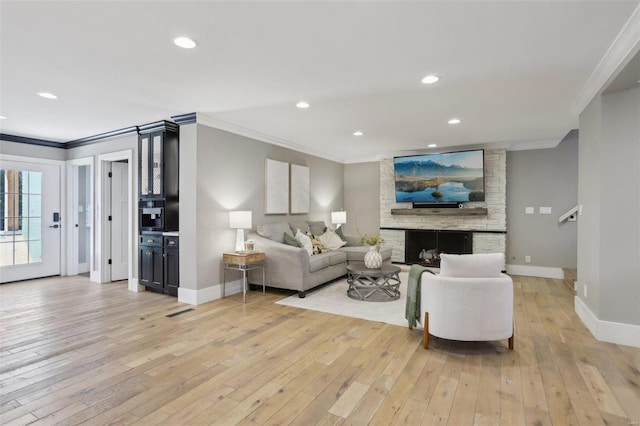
[(412, 309)]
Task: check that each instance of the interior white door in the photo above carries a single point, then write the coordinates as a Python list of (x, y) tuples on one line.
[(30, 222), (119, 221)]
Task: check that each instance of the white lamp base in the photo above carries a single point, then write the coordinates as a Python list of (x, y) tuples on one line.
[(240, 240)]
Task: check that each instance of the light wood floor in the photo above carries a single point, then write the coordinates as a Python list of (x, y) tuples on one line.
[(75, 352)]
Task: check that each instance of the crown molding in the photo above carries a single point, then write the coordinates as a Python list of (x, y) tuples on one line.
[(90, 140), (625, 44), (31, 141), (183, 119), (209, 121), (507, 146)]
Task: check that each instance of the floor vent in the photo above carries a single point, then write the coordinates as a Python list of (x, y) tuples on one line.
[(178, 313)]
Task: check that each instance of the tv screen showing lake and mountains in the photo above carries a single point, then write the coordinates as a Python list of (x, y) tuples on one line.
[(454, 177)]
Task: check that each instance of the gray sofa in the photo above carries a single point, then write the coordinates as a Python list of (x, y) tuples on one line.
[(292, 268)]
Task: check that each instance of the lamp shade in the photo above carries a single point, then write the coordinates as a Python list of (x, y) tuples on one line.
[(240, 219), (339, 218)]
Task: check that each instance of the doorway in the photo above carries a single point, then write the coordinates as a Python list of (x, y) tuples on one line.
[(115, 224), (30, 219)]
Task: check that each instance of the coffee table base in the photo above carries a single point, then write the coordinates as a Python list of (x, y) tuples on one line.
[(369, 287)]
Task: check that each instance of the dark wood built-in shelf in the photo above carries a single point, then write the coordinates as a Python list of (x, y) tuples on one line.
[(475, 211)]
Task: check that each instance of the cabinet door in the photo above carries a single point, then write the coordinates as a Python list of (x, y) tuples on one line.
[(151, 178), (171, 271), (156, 184), (143, 165), (151, 267)]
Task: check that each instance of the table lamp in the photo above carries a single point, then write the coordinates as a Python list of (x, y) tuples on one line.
[(338, 218), (240, 220)]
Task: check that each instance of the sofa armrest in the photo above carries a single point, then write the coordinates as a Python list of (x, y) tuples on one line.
[(285, 266)]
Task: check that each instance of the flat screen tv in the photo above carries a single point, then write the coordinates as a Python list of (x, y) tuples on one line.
[(452, 177)]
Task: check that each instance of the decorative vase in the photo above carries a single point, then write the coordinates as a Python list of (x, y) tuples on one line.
[(373, 258)]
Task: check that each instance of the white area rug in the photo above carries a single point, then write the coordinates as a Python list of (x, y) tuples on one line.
[(333, 299)]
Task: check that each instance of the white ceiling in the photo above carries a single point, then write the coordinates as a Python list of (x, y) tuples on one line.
[(509, 70)]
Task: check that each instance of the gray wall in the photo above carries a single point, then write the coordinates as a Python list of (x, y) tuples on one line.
[(229, 175), (609, 191), (542, 178), (25, 150), (362, 198)]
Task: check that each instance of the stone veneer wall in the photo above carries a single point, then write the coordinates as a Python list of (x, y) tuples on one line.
[(495, 175)]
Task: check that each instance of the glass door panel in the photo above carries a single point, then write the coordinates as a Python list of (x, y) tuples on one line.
[(21, 217)]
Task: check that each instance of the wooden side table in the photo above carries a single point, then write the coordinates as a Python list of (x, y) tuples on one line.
[(243, 262)]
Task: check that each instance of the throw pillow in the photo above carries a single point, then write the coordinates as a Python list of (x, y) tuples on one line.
[(289, 239), (482, 265), (317, 227), (302, 226), (338, 231), (273, 231), (330, 240), (305, 242)]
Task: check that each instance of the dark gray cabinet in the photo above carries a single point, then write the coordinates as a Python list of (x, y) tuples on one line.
[(158, 204), (158, 148), (159, 260), (171, 265), (151, 264)]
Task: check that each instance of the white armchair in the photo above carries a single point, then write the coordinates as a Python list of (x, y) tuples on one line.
[(469, 300)]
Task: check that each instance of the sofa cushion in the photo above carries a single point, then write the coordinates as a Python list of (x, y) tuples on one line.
[(304, 241), (302, 226), (317, 227), (330, 240), (319, 261), (481, 265), (289, 239), (336, 257), (273, 231)]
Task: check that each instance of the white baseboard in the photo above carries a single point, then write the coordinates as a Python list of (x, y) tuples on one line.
[(208, 294), (607, 331), (536, 271)]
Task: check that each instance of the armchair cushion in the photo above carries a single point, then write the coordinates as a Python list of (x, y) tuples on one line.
[(483, 265)]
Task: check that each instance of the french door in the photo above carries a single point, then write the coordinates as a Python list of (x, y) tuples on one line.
[(30, 222)]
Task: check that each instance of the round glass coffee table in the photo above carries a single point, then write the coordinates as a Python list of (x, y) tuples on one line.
[(374, 285)]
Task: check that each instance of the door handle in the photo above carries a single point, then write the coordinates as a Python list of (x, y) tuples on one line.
[(54, 226)]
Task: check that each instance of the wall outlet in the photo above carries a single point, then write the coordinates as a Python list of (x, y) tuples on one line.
[(529, 210), (544, 210), (584, 290), (527, 259)]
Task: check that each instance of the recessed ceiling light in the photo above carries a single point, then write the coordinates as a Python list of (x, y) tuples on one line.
[(302, 105), (358, 133), (432, 145), (2, 117), (47, 95), (430, 79), (454, 121), (184, 42)]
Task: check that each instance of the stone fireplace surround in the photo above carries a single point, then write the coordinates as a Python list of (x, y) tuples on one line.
[(488, 231)]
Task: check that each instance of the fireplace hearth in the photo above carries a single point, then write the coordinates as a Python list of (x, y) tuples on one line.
[(424, 246)]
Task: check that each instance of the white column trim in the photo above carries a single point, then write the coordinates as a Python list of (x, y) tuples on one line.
[(619, 53)]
